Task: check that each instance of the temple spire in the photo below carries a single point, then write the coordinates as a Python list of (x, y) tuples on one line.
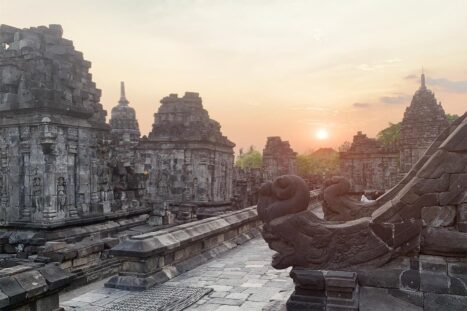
[(123, 100), (422, 80)]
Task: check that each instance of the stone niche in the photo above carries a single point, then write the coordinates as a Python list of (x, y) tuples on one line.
[(278, 158), (368, 165), (56, 165), (188, 160)]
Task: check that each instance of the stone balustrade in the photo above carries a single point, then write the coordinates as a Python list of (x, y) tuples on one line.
[(152, 258), (32, 288)]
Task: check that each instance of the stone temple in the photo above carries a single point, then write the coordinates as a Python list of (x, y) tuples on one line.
[(170, 225), (423, 121), (278, 158), (55, 143), (370, 166), (188, 159)]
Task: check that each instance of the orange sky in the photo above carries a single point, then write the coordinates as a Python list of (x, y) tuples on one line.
[(268, 68)]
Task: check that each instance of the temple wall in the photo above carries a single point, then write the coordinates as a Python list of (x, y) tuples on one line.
[(54, 171), (370, 171), (187, 174)]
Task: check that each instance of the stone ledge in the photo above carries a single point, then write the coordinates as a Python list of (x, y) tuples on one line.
[(29, 288), (156, 257), (158, 242)]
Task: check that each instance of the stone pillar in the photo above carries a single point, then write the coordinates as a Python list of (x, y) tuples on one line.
[(327, 291), (341, 291), (309, 291)]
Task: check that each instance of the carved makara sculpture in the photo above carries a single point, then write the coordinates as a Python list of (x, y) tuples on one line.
[(405, 221)]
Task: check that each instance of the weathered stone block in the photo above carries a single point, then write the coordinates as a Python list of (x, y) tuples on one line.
[(4, 300), (54, 276), (341, 279), (439, 241), (457, 141), (381, 299), (48, 303), (14, 270), (438, 216), (442, 162), (308, 279), (457, 192), (90, 259), (33, 283), (433, 264), (305, 303), (385, 278), (434, 185), (458, 286), (87, 248), (110, 242), (437, 302), (434, 282), (10, 287)]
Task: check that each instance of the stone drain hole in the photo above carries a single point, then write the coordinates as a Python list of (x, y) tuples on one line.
[(161, 298)]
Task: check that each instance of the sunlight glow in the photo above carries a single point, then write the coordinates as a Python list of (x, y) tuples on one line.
[(322, 134)]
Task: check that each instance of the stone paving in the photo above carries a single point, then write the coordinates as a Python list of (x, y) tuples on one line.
[(241, 279)]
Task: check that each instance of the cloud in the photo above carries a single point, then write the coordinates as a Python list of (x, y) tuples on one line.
[(392, 62), (449, 85), (395, 99), (411, 77), (361, 105)]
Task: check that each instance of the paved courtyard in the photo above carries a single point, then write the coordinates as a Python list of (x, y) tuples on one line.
[(241, 279)]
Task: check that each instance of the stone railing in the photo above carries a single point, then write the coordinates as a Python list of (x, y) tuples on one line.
[(155, 257), (28, 288)]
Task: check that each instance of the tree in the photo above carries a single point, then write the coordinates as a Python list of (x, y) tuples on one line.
[(250, 159), (390, 135), (451, 117), (322, 162), (345, 146)]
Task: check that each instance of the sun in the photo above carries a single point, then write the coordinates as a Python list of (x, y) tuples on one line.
[(322, 134)]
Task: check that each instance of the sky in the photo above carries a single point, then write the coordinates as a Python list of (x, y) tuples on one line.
[(286, 68)]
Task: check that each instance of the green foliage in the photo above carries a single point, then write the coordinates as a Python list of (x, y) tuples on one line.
[(323, 162), (390, 135), (451, 117), (251, 159)]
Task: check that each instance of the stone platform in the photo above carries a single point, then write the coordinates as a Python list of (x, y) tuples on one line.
[(241, 279)]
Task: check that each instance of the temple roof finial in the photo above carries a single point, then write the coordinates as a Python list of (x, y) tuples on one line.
[(123, 100), (422, 79)]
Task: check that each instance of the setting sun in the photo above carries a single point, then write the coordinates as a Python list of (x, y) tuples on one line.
[(322, 134)]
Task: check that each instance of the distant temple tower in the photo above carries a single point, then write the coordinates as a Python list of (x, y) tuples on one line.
[(423, 121), (278, 158), (123, 123)]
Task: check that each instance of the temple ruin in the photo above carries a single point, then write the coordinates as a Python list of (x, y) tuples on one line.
[(82, 200), (410, 245), (188, 160), (370, 166), (278, 158), (55, 143), (423, 121)]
